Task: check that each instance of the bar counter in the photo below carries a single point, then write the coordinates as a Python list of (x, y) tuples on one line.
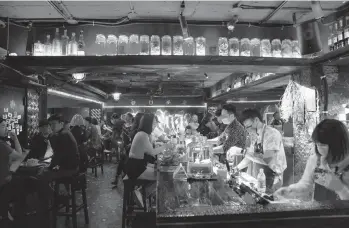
[(178, 205)]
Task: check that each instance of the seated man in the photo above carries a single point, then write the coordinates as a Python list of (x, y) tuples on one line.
[(40, 144), (267, 150), (11, 189)]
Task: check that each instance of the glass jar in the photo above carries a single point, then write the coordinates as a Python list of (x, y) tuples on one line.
[(39, 49), (286, 48), (245, 47), (133, 45), (189, 46), (255, 47), (200, 46), (265, 48), (144, 43), (276, 48), (234, 47), (100, 44), (122, 45), (112, 45), (296, 52), (166, 42), (223, 46), (155, 45), (178, 45)]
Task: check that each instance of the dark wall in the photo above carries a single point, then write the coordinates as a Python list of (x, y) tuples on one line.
[(68, 113), (18, 39)]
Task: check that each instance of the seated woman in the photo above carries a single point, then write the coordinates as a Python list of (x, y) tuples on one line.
[(136, 166), (207, 127), (327, 168), (78, 131)]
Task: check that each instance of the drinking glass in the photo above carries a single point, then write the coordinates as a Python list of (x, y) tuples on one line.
[(286, 49), (276, 48), (178, 45), (133, 45), (122, 45), (200, 46), (245, 47), (189, 46), (223, 46), (155, 45), (144, 43), (265, 48), (255, 47), (166, 45), (234, 47)]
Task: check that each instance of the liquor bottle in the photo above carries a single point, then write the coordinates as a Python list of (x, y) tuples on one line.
[(330, 38), (65, 43), (340, 33), (346, 31), (48, 46), (81, 44), (56, 44), (335, 36), (73, 45), (261, 181)]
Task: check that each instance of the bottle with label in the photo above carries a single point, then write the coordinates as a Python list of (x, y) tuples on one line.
[(56, 44), (346, 31), (330, 38), (81, 44), (334, 35), (65, 42), (340, 33), (48, 46), (73, 45), (261, 181)]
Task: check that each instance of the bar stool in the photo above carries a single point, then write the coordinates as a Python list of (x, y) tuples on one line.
[(108, 155), (128, 199), (75, 183)]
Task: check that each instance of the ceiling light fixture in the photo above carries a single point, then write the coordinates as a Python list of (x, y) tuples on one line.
[(231, 24), (317, 10), (79, 76), (65, 94), (116, 96)]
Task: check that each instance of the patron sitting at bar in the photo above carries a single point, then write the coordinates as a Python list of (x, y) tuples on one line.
[(327, 167), (267, 148), (40, 143)]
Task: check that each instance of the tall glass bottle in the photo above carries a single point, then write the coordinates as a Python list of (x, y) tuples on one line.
[(73, 45), (65, 42), (56, 44), (48, 46), (39, 49), (81, 44)]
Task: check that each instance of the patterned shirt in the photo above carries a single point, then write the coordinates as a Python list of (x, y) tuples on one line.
[(234, 135)]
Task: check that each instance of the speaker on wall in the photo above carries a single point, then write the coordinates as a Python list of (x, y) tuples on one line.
[(308, 34)]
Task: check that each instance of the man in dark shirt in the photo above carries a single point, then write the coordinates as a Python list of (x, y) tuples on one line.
[(40, 142)]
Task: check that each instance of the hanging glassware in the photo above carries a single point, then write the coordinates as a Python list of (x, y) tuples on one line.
[(100, 43), (112, 45), (200, 46), (133, 45), (296, 53), (155, 45), (276, 48), (245, 49), (144, 43), (122, 45), (255, 47), (286, 49), (56, 44), (265, 48), (223, 46), (65, 42), (189, 46), (73, 45), (178, 45), (39, 49), (234, 47), (166, 45), (48, 46)]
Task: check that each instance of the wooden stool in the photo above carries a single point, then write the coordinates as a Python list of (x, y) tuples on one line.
[(75, 183), (128, 200)]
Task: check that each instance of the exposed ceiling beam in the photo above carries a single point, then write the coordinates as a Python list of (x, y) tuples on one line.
[(63, 11), (272, 13)]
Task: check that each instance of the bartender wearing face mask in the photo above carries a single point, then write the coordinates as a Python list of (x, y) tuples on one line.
[(267, 150), (234, 135)]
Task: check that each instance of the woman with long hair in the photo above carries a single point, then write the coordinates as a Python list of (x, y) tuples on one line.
[(77, 124), (327, 169)]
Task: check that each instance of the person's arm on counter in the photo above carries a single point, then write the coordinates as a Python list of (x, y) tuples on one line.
[(143, 140), (243, 164)]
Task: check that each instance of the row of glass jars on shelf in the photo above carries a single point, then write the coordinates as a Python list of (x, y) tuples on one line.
[(247, 79)]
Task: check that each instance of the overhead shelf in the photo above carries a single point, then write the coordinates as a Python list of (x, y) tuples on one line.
[(263, 84), (339, 57), (188, 65)]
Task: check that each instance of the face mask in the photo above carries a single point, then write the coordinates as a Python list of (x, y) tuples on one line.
[(226, 120)]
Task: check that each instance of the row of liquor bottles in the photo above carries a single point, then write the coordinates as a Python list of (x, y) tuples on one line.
[(339, 33), (165, 45)]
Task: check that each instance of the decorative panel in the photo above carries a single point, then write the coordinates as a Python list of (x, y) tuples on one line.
[(32, 112)]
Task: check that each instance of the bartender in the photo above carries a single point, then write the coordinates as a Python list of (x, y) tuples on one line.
[(233, 136), (267, 149)]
